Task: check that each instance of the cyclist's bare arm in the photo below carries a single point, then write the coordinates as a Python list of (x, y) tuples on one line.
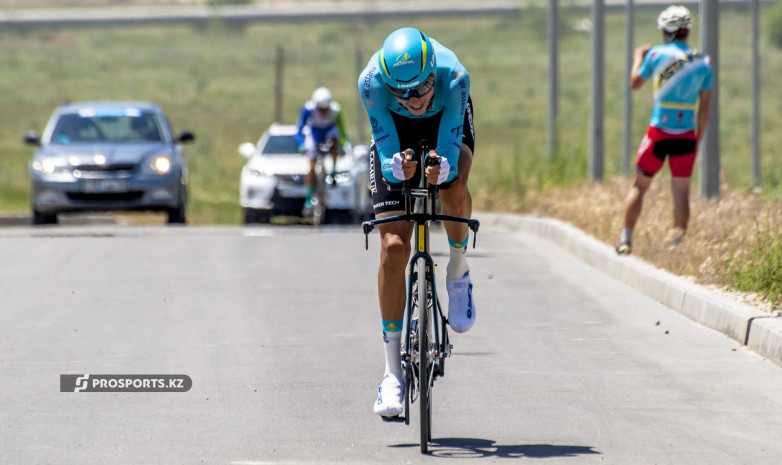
[(703, 113), (636, 81)]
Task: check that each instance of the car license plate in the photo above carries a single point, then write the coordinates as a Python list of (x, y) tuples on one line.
[(101, 186), (293, 191)]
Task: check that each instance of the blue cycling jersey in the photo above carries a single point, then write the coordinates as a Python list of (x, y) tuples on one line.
[(680, 74), (451, 91)]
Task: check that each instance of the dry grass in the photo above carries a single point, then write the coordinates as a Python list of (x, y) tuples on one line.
[(716, 228)]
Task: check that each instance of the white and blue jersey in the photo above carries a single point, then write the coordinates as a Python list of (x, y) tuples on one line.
[(321, 126), (451, 93), (680, 74)]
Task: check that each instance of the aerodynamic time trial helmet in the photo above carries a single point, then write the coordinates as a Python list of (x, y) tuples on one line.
[(407, 63), (322, 98)]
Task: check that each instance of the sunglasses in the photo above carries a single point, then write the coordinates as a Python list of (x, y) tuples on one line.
[(418, 92)]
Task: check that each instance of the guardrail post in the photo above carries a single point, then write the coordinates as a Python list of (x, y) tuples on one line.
[(278, 75), (710, 147), (553, 75), (627, 130), (597, 103)]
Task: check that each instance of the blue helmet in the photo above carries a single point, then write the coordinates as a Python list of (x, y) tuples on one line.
[(406, 59)]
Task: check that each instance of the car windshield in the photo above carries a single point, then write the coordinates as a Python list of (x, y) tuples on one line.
[(127, 126), (281, 144)]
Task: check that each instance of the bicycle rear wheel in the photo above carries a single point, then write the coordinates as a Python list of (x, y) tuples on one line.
[(425, 361)]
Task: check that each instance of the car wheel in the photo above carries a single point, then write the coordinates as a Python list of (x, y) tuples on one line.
[(44, 218), (252, 215), (177, 215), (339, 216)]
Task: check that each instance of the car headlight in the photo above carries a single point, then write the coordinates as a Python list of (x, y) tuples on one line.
[(161, 164), (256, 173), (48, 165), (339, 178)]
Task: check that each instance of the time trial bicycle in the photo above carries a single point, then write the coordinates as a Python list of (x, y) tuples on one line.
[(425, 344)]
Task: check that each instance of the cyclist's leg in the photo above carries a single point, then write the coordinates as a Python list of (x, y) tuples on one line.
[(681, 162), (334, 156), (456, 201), (635, 198), (394, 254), (680, 187), (333, 135), (647, 164), (310, 178)]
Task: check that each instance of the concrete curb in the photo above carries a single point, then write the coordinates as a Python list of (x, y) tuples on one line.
[(15, 220), (67, 219), (757, 329)]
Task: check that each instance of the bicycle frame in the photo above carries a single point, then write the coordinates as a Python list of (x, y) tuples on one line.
[(422, 365)]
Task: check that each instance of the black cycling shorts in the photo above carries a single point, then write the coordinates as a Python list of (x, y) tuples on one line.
[(411, 131)]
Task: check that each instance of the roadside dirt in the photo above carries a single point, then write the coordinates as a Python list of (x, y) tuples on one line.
[(716, 228)]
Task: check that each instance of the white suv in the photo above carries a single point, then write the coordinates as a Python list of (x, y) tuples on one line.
[(272, 180)]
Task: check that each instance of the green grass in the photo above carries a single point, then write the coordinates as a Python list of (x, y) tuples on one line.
[(219, 82), (759, 269)]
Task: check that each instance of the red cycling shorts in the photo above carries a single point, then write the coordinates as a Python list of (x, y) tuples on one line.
[(658, 144)]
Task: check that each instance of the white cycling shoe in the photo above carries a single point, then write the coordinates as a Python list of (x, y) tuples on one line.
[(390, 396), (461, 308)]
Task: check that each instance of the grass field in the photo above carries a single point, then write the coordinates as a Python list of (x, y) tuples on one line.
[(219, 82)]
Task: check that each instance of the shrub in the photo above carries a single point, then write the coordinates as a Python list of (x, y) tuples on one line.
[(758, 270)]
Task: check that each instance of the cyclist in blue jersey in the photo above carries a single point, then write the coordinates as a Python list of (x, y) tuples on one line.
[(414, 88), (682, 93), (320, 121)]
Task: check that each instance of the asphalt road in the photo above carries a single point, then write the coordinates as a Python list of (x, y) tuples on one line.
[(279, 331)]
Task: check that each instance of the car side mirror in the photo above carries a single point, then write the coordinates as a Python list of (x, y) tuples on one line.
[(185, 136), (247, 149), (32, 138)]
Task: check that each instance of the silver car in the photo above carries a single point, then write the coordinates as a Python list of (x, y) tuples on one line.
[(108, 156)]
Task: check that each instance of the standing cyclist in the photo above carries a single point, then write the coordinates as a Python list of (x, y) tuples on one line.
[(413, 88), (322, 118), (682, 83)]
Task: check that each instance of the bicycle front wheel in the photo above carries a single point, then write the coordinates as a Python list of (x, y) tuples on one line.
[(319, 207), (425, 362)]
